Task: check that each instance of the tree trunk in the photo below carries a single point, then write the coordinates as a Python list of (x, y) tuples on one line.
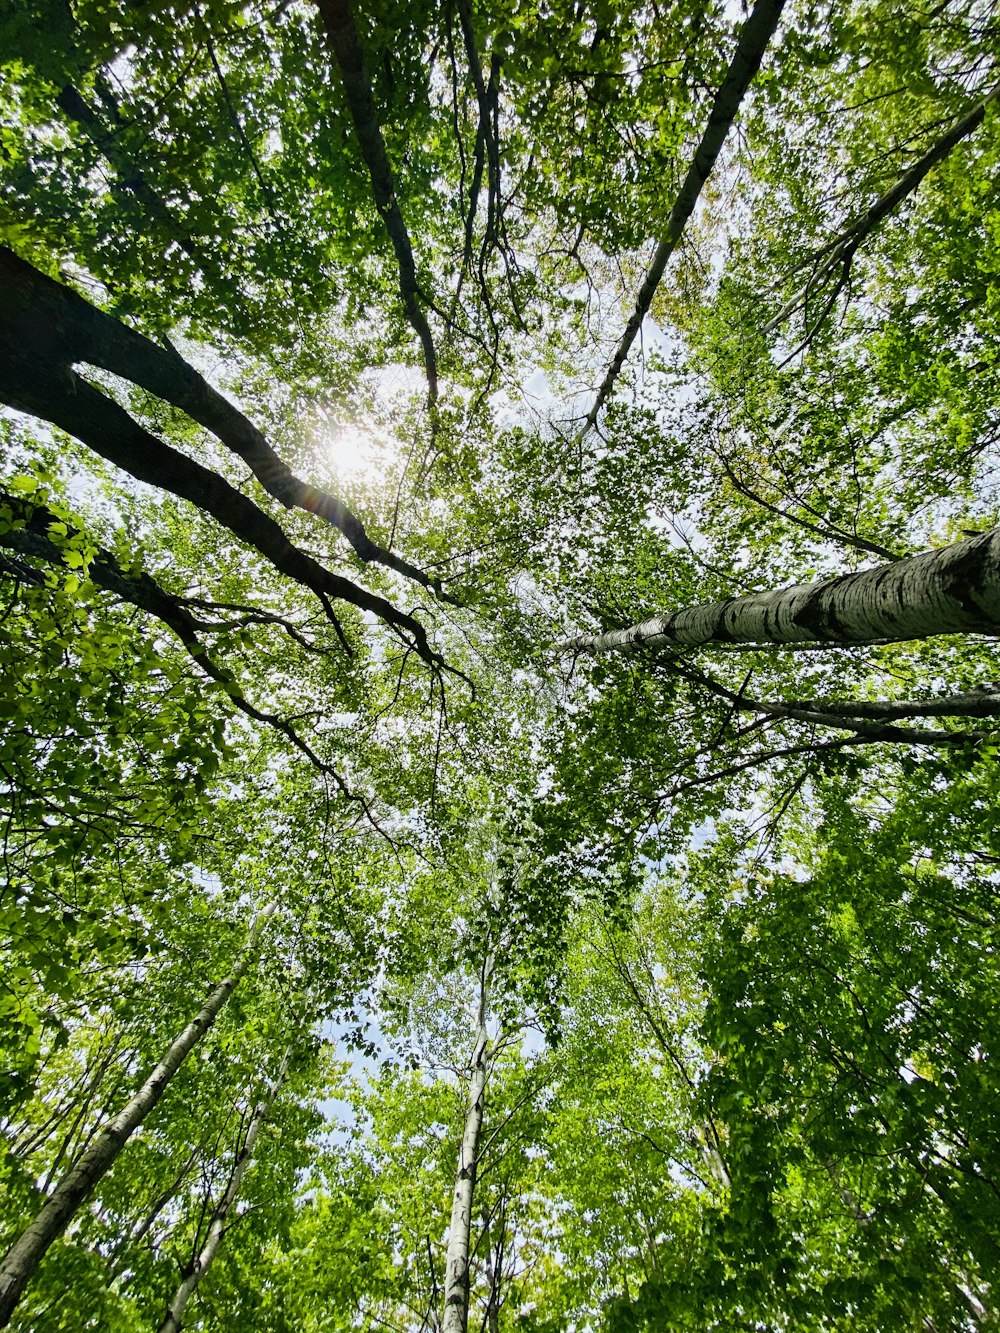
[(342, 36), (954, 590), (491, 1322), (753, 40), (79, 1182), (173, 1319), (456, 1282)]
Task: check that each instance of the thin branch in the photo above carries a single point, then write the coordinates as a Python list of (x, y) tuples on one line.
[(821, 530), (144, 593), (839, 253)]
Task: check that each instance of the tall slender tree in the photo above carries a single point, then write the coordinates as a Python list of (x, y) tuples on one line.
[(76, 1185), (455, 1318), (220, 1221)]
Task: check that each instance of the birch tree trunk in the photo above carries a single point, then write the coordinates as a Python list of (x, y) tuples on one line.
[(79, 1182), (456, 1282), (955, 590), (173, 1319)]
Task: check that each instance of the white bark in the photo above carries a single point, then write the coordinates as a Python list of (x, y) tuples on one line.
[(173, 1319), (954, 590), (456, 1285), (79, 1182)]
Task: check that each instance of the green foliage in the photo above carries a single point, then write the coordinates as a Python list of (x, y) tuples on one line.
[(725, 946)]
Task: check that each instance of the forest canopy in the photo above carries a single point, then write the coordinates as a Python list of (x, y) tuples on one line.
[(499, 596)]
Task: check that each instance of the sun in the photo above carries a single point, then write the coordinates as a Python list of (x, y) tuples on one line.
[(350, 451)]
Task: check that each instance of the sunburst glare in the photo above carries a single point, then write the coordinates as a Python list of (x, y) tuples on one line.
[(350, 451)]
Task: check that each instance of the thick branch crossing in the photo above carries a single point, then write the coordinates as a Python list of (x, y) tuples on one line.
[(61, 396), (64, 330)]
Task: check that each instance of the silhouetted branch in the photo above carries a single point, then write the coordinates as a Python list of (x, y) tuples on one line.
[(753, 41), (342, 34)]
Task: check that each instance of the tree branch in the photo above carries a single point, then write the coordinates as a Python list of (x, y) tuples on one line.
[(840, 252), (753, 41), (342, 34), (822, 530), (146, 594), (66, 400), (65, 329), (845, 720)]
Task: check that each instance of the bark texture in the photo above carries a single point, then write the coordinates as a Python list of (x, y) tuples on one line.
[(199, 1266), (79, 1182), (755, 35), (456, 1282), (955, 590)]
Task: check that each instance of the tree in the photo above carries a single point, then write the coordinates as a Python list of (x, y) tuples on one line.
[(220, 1216), (461, 1021), (883, 1160), (239, 240), (456, 1275), (78, 1183)]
